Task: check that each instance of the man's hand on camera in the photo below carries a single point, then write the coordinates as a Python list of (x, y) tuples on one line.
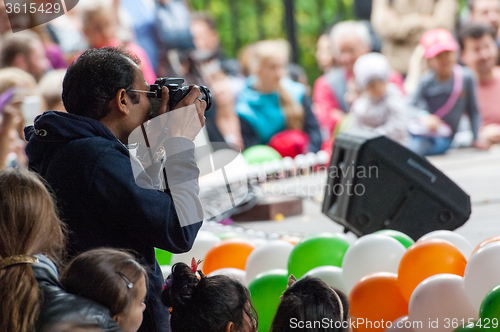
[(187, 118)]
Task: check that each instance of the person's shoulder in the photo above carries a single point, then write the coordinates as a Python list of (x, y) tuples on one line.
[(468, 74)]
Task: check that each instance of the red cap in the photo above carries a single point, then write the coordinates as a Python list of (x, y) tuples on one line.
[(437, 41)]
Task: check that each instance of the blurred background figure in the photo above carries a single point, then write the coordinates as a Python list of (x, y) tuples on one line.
[(272, 103), (25, 51), (381, 106), (50, 88), (324, 56), (480, 53), (401, 23), (486, 12), (99, 27)]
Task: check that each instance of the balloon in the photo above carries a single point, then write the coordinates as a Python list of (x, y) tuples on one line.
[(374, 298), (260, 153), (202, 244), (400, 236), (272, 255), (427, 258), (228, 253), (441, 298), (460, 242), (230, 235), (232, 273), (482, 273), (489, 313), (291, 239), (331, 275), (371, 253), (265, 291), (316, 250), (485, 242), (401, 324), (163, 257)]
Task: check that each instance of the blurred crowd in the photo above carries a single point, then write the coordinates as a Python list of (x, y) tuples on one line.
[(421, 73)]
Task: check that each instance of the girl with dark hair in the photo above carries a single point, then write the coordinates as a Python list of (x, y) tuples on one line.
[(310, 305), (112, 278), (32, 238), (207, 304)]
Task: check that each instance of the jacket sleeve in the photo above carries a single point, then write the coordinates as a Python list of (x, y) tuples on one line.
[(311, 127), (148, 215)]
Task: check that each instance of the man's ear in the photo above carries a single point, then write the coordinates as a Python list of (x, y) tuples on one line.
[(117, 319), (230, 327), (20, 62), (122, 101)]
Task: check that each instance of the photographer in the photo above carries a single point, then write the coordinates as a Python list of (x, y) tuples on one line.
[(83, 156)]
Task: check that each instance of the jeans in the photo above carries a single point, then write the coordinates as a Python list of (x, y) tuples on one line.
[(429, 146)]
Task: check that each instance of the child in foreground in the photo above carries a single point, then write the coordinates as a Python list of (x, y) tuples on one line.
[(207, 304), (311, 300), (112, 278)]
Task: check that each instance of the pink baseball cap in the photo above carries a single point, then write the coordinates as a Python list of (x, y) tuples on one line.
[(437, 41)]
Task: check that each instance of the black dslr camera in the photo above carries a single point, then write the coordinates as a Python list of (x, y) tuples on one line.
[(176, 93)]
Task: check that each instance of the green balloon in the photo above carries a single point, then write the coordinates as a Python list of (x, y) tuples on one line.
[(469, 329), (316, 250), (229, 235), (163, 257), (265, 291), (401, 237), (260, 153), (490, 309)]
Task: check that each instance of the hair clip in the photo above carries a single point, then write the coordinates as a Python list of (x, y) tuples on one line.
[(129, 283), (194, 264)]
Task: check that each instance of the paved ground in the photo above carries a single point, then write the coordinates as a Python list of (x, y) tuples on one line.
[(477, 172)]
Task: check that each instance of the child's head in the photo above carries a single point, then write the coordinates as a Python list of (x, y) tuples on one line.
[(440, 50), (371, 72), (112, 278), (212, 304), (311, 300)]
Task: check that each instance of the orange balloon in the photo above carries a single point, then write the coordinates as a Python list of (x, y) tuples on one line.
[(427, 258), (292, 239), (231, 252), (376, 300), (485, 242)]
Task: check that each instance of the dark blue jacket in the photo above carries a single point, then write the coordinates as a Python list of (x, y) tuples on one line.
[(91, 175)]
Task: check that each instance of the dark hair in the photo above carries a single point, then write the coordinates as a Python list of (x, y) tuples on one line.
[(94, 78), (205, 17), (14, 44), (310, 299), (205, 304), (110, 271), (474, 31), (29, 225)]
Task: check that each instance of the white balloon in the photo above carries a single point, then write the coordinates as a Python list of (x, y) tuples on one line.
[(440, 298), (401, 324), (371, 253), (348, 237), (482, 273), (331, 275), (202, 244), (166, 270), (232, 273), (270, 255), (460, 242)]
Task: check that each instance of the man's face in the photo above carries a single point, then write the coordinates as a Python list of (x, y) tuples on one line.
[(480, 54), (488, 12), (37, 62), (350, 48), (139, 112)]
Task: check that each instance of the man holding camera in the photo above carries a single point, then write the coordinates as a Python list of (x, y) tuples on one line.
[(83, 155)]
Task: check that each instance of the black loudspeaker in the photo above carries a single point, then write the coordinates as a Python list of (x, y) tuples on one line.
[(374, 183)]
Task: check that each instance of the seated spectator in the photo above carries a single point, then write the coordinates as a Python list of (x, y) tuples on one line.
[(349, 40), (401, 24), (271, 103), (480, 53), (212, 304), (25, 51), (50, 88), (486, 12), (444, 93), (381, 107), (31, 240), (324, 57), (311, 300), (111, 278), (99, 29)]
